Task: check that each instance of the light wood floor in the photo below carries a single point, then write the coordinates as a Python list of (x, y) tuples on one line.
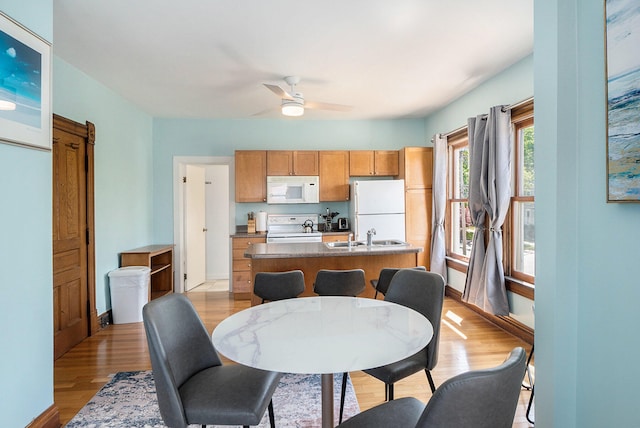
[(467, 342)]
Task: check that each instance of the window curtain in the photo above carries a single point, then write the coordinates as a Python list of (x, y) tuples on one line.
[(489, 192), (439, 187)]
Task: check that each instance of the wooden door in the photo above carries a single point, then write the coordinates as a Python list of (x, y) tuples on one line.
[(73, 301)]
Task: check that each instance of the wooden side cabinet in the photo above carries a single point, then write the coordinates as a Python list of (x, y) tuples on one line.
[(416, 168), (242, 281), (159, 258)]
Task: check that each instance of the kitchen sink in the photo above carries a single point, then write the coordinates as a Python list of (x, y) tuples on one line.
[(388, 242), (344, 244), (378, 243)]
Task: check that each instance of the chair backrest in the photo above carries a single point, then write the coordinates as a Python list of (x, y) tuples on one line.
[(349, 282), (479, 398), (278, 285), (423, 292), (179, 347), (384, 279)]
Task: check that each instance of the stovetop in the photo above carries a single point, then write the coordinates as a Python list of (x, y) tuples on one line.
[(291, 224)]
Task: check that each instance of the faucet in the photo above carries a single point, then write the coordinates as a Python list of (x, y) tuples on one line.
[(349, 238), (370, 234)]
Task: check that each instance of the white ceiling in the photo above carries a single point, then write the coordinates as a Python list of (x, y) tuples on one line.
[(209, 58)]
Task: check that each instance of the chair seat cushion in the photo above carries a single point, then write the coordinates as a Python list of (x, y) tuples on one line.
[(403, 412), (231, 394), (391, 373)]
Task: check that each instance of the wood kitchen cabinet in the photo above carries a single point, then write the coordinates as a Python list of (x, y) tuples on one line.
[(334, 175), (251, 175), (242, 280), (416, 168), (336, 237), (373, 162), (296, 162), (159, 258)]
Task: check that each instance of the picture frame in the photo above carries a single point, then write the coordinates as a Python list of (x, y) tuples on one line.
[(25, 86), (622, 21)]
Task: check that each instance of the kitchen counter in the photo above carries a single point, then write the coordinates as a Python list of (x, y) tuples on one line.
[(320, 249), (313, 256)]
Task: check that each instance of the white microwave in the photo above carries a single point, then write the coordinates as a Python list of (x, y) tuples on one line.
[(293, 189)]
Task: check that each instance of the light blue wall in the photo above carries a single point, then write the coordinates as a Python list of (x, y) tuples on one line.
[(190, 137), (511, 86), (123, 167), (26, 318), (586, 276)]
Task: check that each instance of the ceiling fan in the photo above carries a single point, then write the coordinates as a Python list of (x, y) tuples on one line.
[(293, 103)]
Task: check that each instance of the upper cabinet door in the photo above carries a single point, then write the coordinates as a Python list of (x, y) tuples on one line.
[(334, 175), (373, 162), (361, 163), (305, 162), (386, 162), (296, 162), (416, 167), (279, 162), (251, 175)]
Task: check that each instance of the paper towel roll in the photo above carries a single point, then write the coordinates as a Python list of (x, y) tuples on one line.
[(261, 222)]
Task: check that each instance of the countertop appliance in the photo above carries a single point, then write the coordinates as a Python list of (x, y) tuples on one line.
[(343, 223), (379, 205), (288, 228), (293, 189)]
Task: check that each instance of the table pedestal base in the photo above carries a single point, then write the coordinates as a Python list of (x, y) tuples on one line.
[(327, 400)]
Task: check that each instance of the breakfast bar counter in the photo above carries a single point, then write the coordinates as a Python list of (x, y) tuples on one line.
[(310, 257)]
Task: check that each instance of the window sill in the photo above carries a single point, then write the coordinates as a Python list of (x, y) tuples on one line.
[(513, 285)]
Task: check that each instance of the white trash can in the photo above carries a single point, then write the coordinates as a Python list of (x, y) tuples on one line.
[(129, 293)]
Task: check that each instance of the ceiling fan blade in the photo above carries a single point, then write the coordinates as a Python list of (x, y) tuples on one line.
[(326, 106), (278, 91)]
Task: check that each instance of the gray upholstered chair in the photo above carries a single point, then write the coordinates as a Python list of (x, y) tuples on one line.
[(192, 384), (423, 292), (270, 286), (480, 399), (381, 284), (349, 282)]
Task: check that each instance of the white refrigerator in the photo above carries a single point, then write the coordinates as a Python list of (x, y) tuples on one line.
[(377, 204)]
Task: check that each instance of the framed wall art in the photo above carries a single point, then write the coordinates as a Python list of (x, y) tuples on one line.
[(25, 86), (623, 100)]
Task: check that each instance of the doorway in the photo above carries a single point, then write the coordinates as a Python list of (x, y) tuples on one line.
[(219, 217)]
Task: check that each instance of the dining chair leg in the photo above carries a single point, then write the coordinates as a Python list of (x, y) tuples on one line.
[(342, 394), (528, 414), (375, 296), (272, 419), (430, 379)]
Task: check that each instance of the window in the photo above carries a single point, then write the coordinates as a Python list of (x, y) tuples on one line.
[(460, 232), (519, 226), (520, 247)]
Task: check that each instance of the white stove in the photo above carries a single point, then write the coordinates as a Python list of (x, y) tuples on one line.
[(289, 228)]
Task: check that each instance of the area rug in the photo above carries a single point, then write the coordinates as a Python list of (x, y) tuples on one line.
[(129, 400)]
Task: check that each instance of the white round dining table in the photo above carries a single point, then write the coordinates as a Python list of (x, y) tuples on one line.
[(322, 335)]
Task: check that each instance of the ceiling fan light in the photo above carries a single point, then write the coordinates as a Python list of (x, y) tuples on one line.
[(292, 108)]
